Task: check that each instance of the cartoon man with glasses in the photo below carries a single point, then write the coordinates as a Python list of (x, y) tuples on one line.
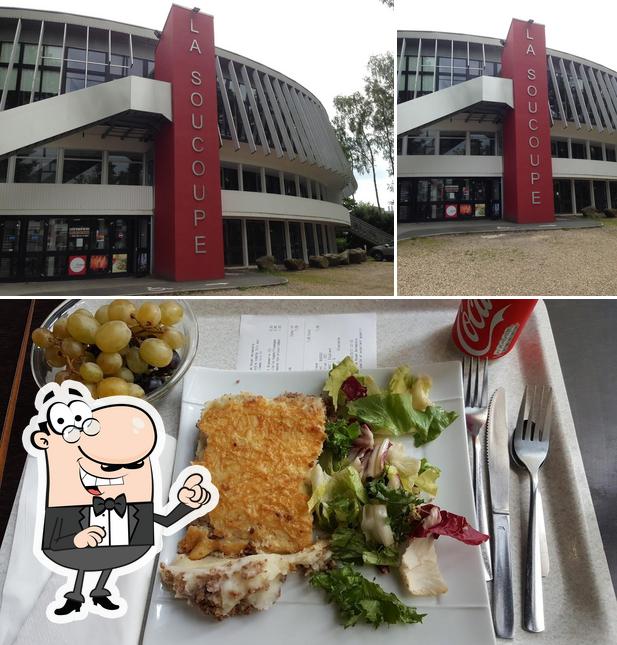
[(99, 486)]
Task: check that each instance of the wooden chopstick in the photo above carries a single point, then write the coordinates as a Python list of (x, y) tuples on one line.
[(7, 426)]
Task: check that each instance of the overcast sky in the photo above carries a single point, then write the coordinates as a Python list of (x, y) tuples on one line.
[(585, 28), (322, 44)]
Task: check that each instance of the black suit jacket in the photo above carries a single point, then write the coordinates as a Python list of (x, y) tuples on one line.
[(62, 523)]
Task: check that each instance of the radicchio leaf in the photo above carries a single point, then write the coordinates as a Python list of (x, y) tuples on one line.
[(353, 389), (454, 526)]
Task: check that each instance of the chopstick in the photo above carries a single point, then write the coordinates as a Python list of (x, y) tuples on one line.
[(7, 426)]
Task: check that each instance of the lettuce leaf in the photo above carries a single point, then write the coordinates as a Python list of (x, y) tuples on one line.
[(394, 415), (337, 376), (399, 503), (360, 600), (340, 437), (350, 545), (403, 381), (427, 478)]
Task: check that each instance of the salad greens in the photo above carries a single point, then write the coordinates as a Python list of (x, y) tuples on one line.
[(359, 599), (368, 495)]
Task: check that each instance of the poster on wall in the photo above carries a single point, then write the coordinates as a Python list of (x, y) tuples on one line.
[(451, 211), (480, 210), (465, 209), (119, 262), (99, 263), (77, 265)]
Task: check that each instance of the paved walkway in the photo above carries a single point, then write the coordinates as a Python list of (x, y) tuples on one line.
[(131, 286), (410, 230)]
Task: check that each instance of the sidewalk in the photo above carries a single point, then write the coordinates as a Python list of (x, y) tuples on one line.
[(131, 286), (410, 230)]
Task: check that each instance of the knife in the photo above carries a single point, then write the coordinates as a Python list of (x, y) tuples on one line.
[(498, 457)]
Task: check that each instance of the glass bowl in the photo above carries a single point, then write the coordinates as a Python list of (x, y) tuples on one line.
[(43, 374)]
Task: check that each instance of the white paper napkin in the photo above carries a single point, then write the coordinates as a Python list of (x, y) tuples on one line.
[(29, 587)]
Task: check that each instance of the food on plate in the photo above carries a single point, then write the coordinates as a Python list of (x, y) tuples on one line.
[(222, 587), (258, 452), (118, 350), (372, 500), (335, 469)]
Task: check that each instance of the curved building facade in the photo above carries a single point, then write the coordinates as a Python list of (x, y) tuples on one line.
[(97, 140), (502, 128)]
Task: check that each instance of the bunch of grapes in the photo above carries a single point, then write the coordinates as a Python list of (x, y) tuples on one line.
[(121, 349)]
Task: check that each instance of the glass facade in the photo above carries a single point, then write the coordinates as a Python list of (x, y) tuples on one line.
[(562, 190), (448, 198), (39, 248), (444, 142)]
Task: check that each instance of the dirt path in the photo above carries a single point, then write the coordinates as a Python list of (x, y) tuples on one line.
[(578, 262)]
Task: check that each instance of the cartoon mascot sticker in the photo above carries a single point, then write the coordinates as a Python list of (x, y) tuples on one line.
[(99, 492)]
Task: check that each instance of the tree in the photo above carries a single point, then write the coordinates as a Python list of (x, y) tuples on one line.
[(379, 89), (388, 3), (353, 124)]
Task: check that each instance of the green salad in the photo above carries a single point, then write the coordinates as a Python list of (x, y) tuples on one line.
[(373, 501)]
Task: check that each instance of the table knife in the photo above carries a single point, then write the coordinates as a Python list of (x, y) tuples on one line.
[(498, 457)]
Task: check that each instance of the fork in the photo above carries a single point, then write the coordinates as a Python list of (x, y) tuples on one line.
[(475, 377), (530, 444)]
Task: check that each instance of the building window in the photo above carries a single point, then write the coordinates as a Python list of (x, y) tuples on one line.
[(579, 151), (612, 185), (277, 240), (452, 143), (303, 188), (562, 190), (229, 178), (482, 143), (582, 192), (422, 144), (599, 192), (125, 168), (251, 180), (610, 153), (82, 167), (4, 169), (273, 183), (232, 242), (295, 240), (255, 239), (559, 148), (290, 185), (310, 239), (595, 151), (37, 166)]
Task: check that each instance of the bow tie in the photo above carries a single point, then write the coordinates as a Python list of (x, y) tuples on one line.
[(101, 505)]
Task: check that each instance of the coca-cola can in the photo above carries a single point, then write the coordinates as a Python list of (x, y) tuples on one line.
[(490, 328)]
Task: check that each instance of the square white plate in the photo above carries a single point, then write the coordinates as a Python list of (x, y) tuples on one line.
[(301, 614)]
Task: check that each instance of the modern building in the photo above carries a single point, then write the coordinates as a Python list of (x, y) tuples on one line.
[(502, 128), (125, 150)]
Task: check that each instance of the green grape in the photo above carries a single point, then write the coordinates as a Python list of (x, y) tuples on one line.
[(134, 361), (82, 328), (155, 352), (102, 314), (90, 372), (113, 336), (174, 338), (126, 374), (149, 314), (112, 386), (61, 376), (121, 310), (92, 388), (60, 329), (109, 362), (42, 337), (136, 390), (72, 348), (54, 357), (84, 312), (171, 312)]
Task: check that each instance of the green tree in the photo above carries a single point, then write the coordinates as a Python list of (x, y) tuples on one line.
[(379, 89), (353, 124)]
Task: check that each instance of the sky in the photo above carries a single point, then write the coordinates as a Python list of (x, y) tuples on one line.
[(585, 29), (322, 44)]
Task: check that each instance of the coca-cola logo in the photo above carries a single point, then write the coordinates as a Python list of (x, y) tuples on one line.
[(471, 325)]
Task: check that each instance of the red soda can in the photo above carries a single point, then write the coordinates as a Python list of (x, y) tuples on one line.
[(490, 328)]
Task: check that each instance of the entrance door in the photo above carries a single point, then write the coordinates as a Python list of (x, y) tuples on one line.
[(9, 247)]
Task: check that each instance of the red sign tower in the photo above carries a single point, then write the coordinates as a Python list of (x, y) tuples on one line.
[(188, 221), (527, 164)]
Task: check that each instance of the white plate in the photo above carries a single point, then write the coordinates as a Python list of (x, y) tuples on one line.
[(301, 615)]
